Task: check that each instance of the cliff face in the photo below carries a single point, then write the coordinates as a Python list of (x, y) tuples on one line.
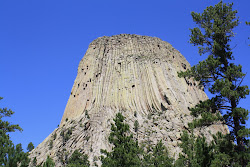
[(132, 74)]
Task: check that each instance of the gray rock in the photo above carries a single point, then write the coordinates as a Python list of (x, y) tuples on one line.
[(126, 73)]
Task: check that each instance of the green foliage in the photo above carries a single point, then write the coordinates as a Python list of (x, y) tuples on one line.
[(34, 162), (49, 162), (136, 125), (16, 157), (78, 160), (50, 144), (5, 126), (5, 146), (10, 155), (195, 151), (66, 134), (54, 136), (220, 76), (158, 157), (30, 147), (125, 152), (223, 152), (87, 114), (150, 116)]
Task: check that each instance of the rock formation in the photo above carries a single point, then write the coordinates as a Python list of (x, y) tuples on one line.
[(132, 74)]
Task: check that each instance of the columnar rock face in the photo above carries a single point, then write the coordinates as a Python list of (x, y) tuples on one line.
[(132, 74)]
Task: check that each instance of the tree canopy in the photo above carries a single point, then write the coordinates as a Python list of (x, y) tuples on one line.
[(77, 159), (10, 155), (126, 152), (220, 76)]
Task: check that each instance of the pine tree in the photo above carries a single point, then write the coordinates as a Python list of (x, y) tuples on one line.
[(30, 146), (5, 126), (10, 155), (222, 150), (17, 157), (49, 162), (78, 160), (195, 151), (220, 76), (157, 156), (125, 152)]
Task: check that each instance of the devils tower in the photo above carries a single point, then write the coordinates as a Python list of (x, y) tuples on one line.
[(137, 76)]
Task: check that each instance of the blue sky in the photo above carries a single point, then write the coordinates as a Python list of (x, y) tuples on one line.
[(42, 42)]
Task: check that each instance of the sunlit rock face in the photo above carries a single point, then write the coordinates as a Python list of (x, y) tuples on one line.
[(132, 74)]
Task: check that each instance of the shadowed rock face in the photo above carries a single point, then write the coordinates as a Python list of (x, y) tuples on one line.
[(132, 74)]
